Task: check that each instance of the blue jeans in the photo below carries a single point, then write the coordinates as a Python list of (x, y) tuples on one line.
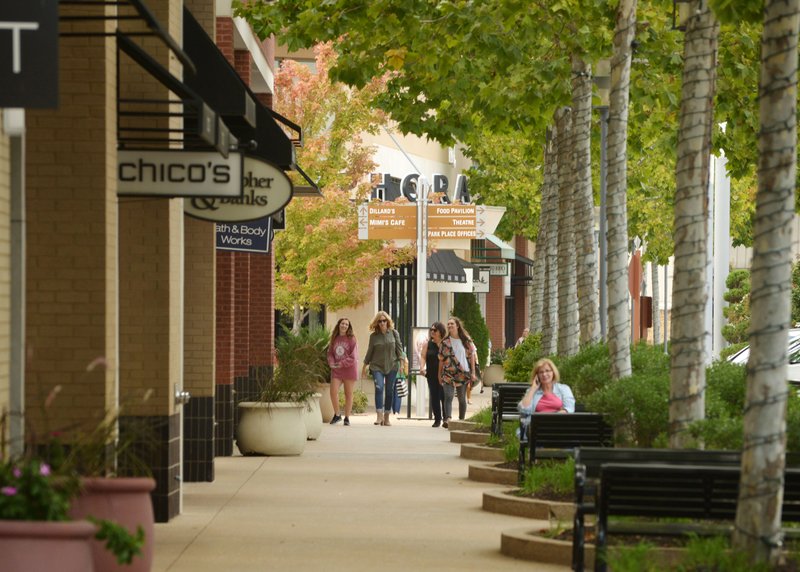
[(384, 389)]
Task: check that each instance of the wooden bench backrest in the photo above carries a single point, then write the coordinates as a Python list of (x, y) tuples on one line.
[(699, 492), (569, 430)]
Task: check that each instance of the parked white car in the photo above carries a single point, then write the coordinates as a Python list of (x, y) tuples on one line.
[(793, 369)]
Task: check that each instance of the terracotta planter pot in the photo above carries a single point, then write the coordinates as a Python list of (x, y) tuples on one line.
[(271, 428), (125, 501), (27, 546)]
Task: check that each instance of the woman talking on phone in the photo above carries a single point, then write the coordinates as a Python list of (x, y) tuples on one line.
[(546, 394)]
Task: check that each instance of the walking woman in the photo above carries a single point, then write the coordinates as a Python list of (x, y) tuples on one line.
[(383, 358), (430, 369), (343, 359), (456, 367)]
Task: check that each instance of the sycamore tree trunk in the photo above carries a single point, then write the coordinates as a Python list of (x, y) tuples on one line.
[(586, 253), (540, 255), (758, 514), (619, 315), (550, 246), (656, 314), (690, 231), (568, 330), (298, 315)]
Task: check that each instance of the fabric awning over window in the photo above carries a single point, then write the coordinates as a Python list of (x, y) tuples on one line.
[(506, 250), (444, 266)]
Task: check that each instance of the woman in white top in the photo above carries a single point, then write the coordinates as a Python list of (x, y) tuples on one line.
[(456, 367)]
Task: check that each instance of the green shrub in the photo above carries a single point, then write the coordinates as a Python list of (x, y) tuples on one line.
[(649, 359), (637, 407), (738, 310), (360, 401), (467, 309), (587, 371), (521, 359), (554, 476), (725, 353)]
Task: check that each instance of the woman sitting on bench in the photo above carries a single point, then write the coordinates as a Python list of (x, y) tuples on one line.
[(546, 394)]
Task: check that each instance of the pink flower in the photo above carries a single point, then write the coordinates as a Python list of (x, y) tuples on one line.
[(8, 491), (17, 472), (44, 470)]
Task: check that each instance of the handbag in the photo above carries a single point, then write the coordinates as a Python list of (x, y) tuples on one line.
[(401, 386)]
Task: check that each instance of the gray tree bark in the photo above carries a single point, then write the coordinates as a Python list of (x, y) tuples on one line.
[(550, 246), (568, 330), (690, 231), (758, 514), (586, 251), (619, 316)]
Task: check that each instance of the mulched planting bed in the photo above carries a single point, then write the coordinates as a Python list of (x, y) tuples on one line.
[(545, 493)]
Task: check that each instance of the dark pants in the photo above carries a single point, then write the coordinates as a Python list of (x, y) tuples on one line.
[(436, 394)]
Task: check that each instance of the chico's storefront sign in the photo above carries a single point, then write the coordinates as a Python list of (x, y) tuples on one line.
[(179, 174), (265, 191)]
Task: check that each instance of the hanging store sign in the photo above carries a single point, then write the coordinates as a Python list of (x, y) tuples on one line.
[(29, 54), (496, 269), (266, 190), (178, 174), (480, 280), (253, 236)]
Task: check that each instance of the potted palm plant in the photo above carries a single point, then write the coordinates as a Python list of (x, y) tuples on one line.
[(287, 411)]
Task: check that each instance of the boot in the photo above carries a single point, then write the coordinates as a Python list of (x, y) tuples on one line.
[(379, 421), (386, 418)]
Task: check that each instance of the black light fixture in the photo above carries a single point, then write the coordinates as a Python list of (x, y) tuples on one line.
[(680, 14)]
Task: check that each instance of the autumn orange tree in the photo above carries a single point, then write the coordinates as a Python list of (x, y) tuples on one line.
[(319, 259)]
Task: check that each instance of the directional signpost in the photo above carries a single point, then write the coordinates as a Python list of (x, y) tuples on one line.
[(398, 221)]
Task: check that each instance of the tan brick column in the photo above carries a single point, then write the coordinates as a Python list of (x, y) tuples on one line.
[(71, 290)]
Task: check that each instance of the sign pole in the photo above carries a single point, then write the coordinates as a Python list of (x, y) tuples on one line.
[(422, 284)]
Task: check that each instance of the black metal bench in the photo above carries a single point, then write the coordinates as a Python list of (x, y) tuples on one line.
[(660, 490), (505, 397), (588, 461), (556, 435)]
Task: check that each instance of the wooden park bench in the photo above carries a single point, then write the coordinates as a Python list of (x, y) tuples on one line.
[(672, 491), (556, 435), (505, 397)]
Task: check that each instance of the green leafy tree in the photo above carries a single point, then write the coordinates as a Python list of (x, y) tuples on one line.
[(466, 308), (319, 258), (738, 310)]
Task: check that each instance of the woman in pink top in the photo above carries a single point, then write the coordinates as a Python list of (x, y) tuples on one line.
[(343, 359), (546, 394)]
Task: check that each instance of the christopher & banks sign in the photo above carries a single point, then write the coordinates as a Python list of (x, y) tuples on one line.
[(265, 191)]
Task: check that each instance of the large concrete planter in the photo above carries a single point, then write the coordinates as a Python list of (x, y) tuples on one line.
[(325, 406), (313, 417), (481, 452), (489, 473), (468, 437), (458, 425), (271, 428), (492, 374), (27, 546), (125, 501), (530, 544), (504, 502)]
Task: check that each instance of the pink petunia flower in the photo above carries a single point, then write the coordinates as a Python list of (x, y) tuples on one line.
[(8, 491), (44, 470)]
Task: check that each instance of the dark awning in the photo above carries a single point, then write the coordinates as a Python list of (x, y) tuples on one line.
[(444, 266), (217, 82)]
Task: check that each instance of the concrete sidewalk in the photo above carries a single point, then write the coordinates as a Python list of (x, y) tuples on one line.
[(362, 497)]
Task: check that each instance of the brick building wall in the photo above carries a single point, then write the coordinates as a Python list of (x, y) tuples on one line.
[(71, 286), (496, 312)]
